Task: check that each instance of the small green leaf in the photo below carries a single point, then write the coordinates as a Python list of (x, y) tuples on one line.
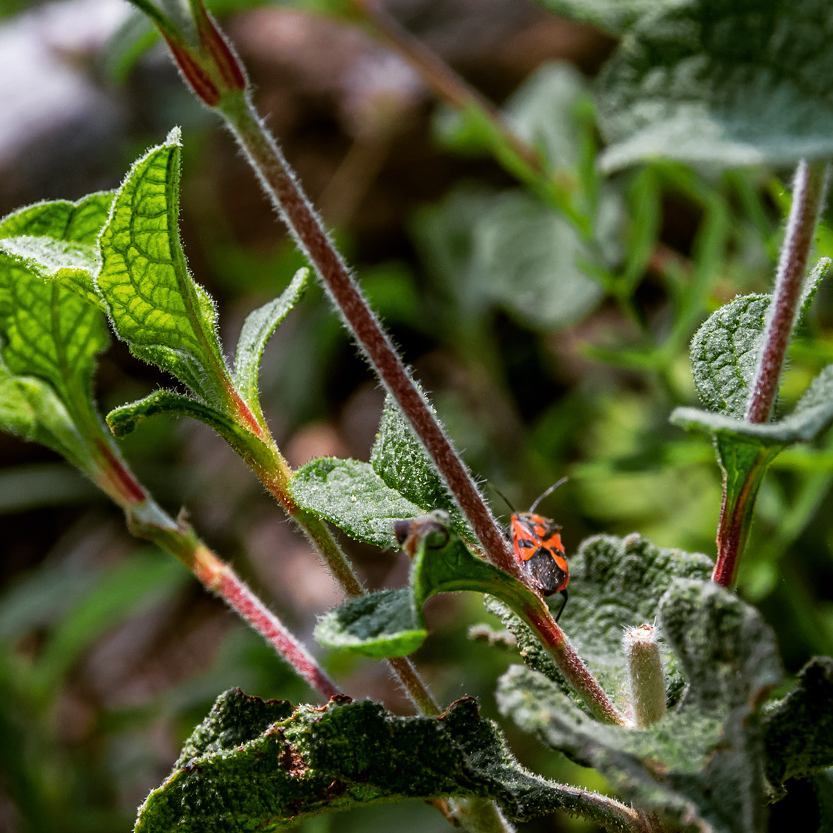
[(721, 82), (614, 583), (798, 730), (400, 460), (124, 419), (703, 761), (811, 417), (351, 495), (724, 351), (391, 623), (165, 317), (75, 222), (615, 16), (381, 624), (250, 766), (258, 328), (29, 409)]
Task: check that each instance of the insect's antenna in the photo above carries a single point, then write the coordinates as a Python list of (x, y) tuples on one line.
[(505, 499), (547, 493)]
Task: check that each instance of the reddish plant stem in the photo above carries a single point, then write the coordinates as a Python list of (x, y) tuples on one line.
[(221, 580), (736, 508), (808, 196), (572, 666), (280, 184), (146, 519), (296, 211)]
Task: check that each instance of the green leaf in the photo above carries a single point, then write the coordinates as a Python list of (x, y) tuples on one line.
[(798, 730), (124, 419), (391, 623), (724, 351), (154, 304), (29, 409), (615, 16), (533, 263), (74, 222), (381, 624), (721, 82), (50, 329), (349, 494), (400, 460), (511, 250), (703, 761), (250, 766), (813, 414), (258, 328), (614, 583)]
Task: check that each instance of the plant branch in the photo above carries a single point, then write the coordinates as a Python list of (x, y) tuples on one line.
[(647, 682), (281, 185), (808, 197), (147, 520), (739, 498)]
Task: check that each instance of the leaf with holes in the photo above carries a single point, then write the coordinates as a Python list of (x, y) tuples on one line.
[(721, 82)]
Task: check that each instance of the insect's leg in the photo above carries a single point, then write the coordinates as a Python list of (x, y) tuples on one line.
[(563, 605)]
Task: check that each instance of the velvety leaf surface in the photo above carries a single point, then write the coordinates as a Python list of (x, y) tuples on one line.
[(400, 460), (614, 583), (166, 318), (722, 82), (381, 624), (258, 328), (353, 497), (798, 730), (252, 767), (724, 351), (702, 763)]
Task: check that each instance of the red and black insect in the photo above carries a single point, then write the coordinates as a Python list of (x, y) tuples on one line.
[(536, 544)]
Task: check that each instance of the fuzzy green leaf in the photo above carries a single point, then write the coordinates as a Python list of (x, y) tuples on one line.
[(74, 222), (30, 409), (391, 623), (813, 414), (532, 261), (798, 730), (614, 16), (381, 624), (124, 419), (154, 304), (730, 82), (349, 494), (50, 329), (614, 583), (252, 766), (258, 328), (724, 351), (701, 764), (400, 460)]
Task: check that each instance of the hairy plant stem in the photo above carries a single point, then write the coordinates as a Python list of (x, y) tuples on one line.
[(808, 196), (147, 520), (281, 185), (738, 501), (647, 681)]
